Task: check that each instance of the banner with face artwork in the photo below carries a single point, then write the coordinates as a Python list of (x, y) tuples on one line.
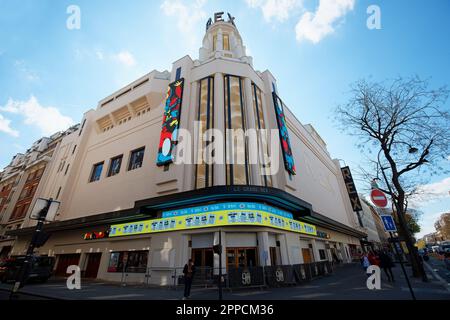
[(284, 135), (171, 123)]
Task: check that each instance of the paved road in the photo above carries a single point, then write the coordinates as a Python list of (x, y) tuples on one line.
[(440, 268), (348, 282)]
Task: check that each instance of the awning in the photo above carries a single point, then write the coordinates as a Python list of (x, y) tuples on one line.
[(144, 209)]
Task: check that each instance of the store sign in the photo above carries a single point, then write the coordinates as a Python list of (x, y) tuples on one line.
[(171, 123), (213, 219), (323, 235), (218, 17), (227, 206), (284, 135), (351, 189), (95, 235)]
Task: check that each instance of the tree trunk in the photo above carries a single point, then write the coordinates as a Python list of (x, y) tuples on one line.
[(417, 266)]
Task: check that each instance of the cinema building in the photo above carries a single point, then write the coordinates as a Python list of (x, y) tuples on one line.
[(128, 209)]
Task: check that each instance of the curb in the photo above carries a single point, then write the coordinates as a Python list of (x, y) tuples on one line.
[(437, 276)]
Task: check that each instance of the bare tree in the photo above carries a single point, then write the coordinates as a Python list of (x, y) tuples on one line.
[(406, 123)]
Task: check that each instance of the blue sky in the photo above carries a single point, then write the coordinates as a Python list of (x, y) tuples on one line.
[(50, 75)]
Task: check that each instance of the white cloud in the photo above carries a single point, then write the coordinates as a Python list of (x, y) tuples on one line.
[(48, 120), (5, 127), (315, 26), (431, 192), (187, 14), (277, 9), (427, 223), (125, 57)]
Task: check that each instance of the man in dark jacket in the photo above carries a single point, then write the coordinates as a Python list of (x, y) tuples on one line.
[(188, 271), (386, 264)]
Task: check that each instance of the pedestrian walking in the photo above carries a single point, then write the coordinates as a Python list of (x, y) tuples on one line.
[(387, 264), (373, 259), (188, 271), (365, 262)]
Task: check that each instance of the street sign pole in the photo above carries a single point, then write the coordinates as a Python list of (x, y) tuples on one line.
[(220, 266), (400, 259), (24, 270)]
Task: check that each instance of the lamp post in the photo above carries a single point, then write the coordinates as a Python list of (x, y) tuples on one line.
[(43, 210)]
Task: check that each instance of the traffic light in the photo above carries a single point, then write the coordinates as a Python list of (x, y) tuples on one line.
[(41, 239), (217, 249)]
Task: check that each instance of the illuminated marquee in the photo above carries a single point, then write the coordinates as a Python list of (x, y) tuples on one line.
[(213, 219), (284, 135), (227, 206), (171, 123)]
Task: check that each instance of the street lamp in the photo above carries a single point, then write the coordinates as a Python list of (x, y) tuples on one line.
[(43, 210)]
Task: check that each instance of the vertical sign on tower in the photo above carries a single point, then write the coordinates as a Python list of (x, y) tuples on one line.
[(284, 135), (351, 189), (171, 122), (352, 193)]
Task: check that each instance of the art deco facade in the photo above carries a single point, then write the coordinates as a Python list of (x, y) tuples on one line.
[(126, 206)]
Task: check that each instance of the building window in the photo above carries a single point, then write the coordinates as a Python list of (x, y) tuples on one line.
[(74, 148), (114, 166), (96, 172), (226, 42), (67, 169), (204, 171), (214, 42), (263, 147), (236, 144), (322, 254), (136, 159), (128, 261), (58, 193), (178, 74)]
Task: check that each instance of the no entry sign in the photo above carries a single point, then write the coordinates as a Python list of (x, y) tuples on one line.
[(379, 198)]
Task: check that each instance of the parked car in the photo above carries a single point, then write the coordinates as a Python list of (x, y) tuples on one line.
[(41, 268), (443, 249)]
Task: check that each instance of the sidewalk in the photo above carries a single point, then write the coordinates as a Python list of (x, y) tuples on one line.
[(347, 283)]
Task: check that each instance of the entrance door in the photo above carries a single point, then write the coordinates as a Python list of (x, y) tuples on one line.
[(274, 256), (307, 258), (64, 261), (93, 263), (203, 257), (242, 257)]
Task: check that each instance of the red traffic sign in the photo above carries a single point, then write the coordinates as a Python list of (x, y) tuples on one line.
[(379, 198)]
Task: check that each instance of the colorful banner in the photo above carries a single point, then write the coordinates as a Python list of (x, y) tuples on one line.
[(213, 219), (284, 135), (171, 122), (227, 206)]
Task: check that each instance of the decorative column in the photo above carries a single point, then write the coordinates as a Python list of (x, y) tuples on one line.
[(264, 249), (315, 250), (219, 125), (284, 249), (253, 151)]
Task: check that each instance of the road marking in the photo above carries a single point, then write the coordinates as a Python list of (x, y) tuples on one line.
[(119, 296), (254, 293)]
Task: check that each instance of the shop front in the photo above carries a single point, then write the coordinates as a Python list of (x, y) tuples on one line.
[(153, 241)]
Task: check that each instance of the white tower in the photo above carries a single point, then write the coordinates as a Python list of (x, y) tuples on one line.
[(222, 40)]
